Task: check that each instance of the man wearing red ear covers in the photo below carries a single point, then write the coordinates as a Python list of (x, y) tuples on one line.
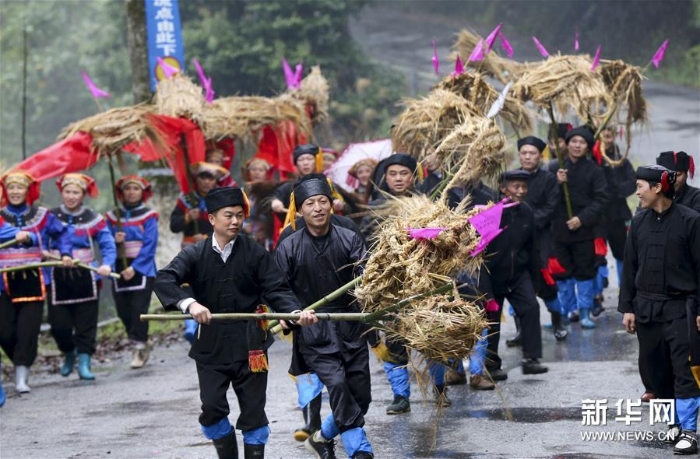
[(659, 298), (684, 165)]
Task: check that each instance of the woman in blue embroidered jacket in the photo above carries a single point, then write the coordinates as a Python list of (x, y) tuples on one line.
[(7, 233), (73, 303), (135, 230), (22, 305)]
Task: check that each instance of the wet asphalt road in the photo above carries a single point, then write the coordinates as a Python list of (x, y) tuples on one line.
[(153, 412)]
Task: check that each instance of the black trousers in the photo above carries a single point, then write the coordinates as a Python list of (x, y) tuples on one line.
[(527, 310), (617, 236), (663, 359), (19, 329), (346, 376), (249, 388), (578, 258), (130, 305), (79, 317)]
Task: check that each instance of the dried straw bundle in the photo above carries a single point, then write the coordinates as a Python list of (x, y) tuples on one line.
[(401, 266), (481, 95), (477, 150), (178, 96), (440, 327), (567, 82), (425, 122), (624, 82), (494, 65), (241, 116), (314, 91), (115, 128)]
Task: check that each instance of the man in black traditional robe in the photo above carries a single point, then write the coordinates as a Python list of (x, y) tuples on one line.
[(574, 234), (507, 275), (659, 298), (543, 197), (684, 165), (227, 273), (318, 260)]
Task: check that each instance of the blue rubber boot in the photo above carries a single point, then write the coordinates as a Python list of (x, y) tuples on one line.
[(585, 292), (84, 367), (68, 363), (3, 395)]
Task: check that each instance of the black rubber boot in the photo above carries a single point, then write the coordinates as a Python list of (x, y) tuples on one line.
[(516, 340), (227, 447), (312, 419), (253, 451), (558, 328)]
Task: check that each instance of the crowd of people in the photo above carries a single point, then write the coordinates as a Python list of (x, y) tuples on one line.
[(287, 244)]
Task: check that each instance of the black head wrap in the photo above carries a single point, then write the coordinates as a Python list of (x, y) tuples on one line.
[(306, 149), (534, 141), (581, 131), (678, 161), (516, 174), (226, 196), (312, 185)]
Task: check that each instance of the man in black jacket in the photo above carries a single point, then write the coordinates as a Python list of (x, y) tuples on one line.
[(506, 274), (316, 261), (543, 197), (227, 273), (574, 233), (683, 164), (659, 297)]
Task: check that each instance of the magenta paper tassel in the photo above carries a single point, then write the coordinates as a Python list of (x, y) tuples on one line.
[(505, 44), (659, 54), (96, 92), (540, 48), (436, 61)]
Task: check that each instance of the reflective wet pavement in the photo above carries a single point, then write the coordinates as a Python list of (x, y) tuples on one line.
[(153, 412)]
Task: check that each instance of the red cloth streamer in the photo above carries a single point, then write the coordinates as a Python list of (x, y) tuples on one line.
[(276, 146), (597, 153), (172, 130), (73, 154)]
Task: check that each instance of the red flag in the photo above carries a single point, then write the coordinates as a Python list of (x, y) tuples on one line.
[(505, 44), (436, 61)]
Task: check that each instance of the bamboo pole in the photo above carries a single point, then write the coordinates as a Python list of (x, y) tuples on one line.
[(325, 300), (9, 243), (339, 316), (364, 317), (53, 264), (554, 132), (121, 248)]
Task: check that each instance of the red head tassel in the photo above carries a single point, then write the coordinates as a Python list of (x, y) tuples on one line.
[(691, 166), (665, 185), (675, 157)]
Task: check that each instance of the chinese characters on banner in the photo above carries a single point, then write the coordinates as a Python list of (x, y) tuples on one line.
[(595, 412), (164, 37)]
